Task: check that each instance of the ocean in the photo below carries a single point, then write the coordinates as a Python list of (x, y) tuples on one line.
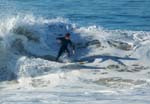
[(127, 14), (111, 63)]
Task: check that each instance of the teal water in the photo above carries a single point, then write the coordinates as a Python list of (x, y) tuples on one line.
[(118, 14)]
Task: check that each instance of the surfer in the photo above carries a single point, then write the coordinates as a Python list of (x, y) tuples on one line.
[(65, 41)]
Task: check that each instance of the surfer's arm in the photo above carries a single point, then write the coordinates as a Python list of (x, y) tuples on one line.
[(59, 38)]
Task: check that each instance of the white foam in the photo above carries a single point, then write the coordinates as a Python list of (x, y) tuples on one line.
[(42, 42)]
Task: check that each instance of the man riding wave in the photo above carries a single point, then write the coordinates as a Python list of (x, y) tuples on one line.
[(65, 41)]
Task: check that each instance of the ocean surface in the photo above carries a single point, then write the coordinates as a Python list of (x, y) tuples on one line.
[(111, 64), (118, 14)]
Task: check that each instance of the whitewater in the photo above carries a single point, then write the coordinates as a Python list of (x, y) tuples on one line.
[(42, 81), (114, 70)]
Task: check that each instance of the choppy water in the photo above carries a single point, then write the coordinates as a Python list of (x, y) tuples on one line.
[(117, 71), (118, 14)]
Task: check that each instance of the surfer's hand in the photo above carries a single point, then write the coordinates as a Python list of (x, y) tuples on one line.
[(73, 52)]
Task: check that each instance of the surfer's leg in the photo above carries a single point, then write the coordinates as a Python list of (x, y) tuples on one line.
[(60, 53)]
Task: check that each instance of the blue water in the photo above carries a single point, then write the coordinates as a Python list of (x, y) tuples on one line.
[(115, 70), (110, 14)]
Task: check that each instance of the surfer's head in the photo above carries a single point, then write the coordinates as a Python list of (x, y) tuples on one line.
[(67, 36)]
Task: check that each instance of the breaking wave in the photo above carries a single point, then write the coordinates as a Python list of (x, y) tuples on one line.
[(28, 48)]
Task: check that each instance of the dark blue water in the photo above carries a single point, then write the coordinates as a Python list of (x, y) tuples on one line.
[(110, 14)]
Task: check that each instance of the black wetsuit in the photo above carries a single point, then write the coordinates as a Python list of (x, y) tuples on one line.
[(64, 46)]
